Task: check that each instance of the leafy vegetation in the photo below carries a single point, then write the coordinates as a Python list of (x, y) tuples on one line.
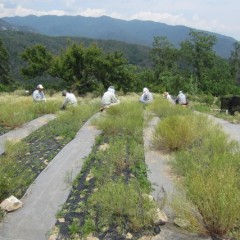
[(24, 160), (207, 163), (87, 66), (17, 42), (17, 110), (4, 68), (110, 195)]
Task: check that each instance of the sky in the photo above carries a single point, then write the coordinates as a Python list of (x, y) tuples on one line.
[(218, 16)]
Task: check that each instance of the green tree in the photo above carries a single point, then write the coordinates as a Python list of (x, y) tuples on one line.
[(219, 81), (234, 62), (197, 57), (70, 66), (38, 61), (164, 55), (85, 69), (165, 58), (5, 78), (82, 69)]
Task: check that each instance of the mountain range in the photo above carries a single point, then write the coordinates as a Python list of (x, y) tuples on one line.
[(107, 28)]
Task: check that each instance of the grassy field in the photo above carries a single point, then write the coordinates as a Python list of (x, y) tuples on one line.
[(108, 195), (207, 164)]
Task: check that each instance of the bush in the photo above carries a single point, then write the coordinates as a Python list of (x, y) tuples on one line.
[(123, 119), (179, 132), (163, 108), (216, 194), (211, 179), (121, 203)]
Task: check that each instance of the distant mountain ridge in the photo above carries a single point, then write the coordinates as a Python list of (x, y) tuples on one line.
[(106, 28), (7, 26)]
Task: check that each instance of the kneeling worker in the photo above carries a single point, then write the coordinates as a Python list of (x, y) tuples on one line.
[(146, 96), (109, 98), (70, 99)]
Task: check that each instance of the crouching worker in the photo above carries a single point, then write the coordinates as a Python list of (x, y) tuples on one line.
[(109, 99), (146, 97), (181, 99), (168, 97), (38, 94), (70, 99)]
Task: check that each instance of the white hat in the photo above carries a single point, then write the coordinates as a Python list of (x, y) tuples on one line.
[(40, 86), (111, 89), (145, 90)]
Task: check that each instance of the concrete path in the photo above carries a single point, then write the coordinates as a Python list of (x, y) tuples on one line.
[(49, 191), (163, 183), (25, 130), (159, 174), (232, 130)]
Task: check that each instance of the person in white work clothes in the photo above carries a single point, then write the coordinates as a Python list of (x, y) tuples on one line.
[(109, 98), (38, 94), (70, 99)]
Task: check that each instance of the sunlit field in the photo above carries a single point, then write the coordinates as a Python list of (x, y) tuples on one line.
[(205, 162)]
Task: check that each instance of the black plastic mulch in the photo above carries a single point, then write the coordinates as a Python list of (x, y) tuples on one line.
[(43, 146), (76, 201), (4, 130)]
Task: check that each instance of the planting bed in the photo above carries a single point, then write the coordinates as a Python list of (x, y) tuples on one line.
[(42, 146), (73, 220), (4, 130), (25, 160)]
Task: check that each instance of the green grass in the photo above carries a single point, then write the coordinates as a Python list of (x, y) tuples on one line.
[(123, 119), (163, 108), (119, 176), (17, 110), (208, 165), (179, 132), (118, 203), (15, 176)]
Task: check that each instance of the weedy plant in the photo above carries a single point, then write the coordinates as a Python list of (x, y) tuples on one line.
[(208, 163), (12, 174), (15, 173), (117, 200), (118, 203), (15, 111), (125, 119), (163, 108), (179, 132), (50, 106)]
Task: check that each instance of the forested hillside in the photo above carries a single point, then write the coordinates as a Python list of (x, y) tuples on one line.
[(106, 28), (17, 41), (86, 65)]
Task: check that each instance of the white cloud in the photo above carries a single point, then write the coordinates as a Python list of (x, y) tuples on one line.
[(90, 12), (160, 17), (21, 11), (215, 15)]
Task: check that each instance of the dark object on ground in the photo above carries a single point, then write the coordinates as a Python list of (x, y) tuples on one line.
[(185, 105), (232, 104), (157, 229)]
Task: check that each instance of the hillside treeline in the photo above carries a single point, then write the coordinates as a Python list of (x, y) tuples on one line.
[(84, 65)]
